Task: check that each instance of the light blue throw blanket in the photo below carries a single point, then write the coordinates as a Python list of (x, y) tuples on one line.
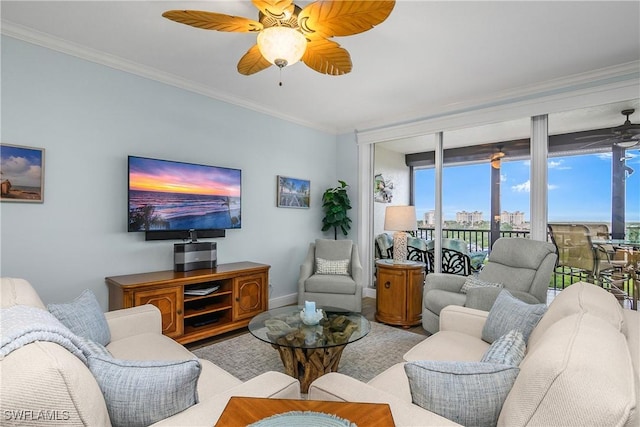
[(21, 325)]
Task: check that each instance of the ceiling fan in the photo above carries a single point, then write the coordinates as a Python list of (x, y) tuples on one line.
[(626, 135), (288, 33), (496, 158)]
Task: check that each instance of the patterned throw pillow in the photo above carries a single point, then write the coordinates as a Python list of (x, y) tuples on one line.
[(84, 317), (140, 393), (328, 266), (509, 349), (468, 393), (473, 282), (508, 313)]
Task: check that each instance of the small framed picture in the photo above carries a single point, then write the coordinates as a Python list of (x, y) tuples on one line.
[(21, 174), (293, 192)]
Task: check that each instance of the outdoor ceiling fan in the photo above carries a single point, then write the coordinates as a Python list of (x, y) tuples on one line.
[(626, 135), (496, 158), (288, 33)]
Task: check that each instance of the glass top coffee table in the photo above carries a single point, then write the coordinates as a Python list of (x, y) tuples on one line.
[(309, 351)]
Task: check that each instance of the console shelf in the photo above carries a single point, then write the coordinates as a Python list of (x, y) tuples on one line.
[(242, 293)]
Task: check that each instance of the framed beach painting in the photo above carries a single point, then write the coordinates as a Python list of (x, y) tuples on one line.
[(293, 192), (21, 174)]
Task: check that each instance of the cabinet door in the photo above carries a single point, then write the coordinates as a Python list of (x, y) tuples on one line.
[(391, 295), (250, 296), (169, 301), (414, 297)]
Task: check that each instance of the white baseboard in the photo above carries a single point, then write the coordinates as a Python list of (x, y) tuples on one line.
[(369, 292), (293, 298), (283, 300)]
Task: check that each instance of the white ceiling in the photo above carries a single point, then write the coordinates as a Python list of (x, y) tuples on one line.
[(428, 56)]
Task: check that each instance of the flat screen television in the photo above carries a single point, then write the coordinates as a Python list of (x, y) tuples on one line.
[(175, 196)]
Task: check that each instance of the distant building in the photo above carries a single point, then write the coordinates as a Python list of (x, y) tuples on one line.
[(430, 218), (468, 217), (515, 219)]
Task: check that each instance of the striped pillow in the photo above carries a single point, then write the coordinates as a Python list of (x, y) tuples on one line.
[(509, 349), (330, 266), (468, 393), (473, 282)]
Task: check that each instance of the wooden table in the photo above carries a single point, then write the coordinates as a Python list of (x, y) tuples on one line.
[(399, 292), (309, 351), (241, 411)]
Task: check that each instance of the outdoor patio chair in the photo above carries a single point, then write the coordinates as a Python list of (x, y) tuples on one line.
[(384, 246), (417, 249), (455, 257), (522, 266), (578, 253)]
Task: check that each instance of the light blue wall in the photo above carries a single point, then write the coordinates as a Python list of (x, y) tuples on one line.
[(89, 117)]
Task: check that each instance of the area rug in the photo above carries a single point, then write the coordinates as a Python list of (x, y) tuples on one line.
[(246, 356)]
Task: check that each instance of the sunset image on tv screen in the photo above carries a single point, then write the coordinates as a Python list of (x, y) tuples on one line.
[(167, 195)]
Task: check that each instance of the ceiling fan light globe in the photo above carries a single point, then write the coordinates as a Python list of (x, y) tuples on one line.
[(281, 45)]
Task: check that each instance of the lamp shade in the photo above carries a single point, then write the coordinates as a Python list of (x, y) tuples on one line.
[(400, 218), (281, 46)]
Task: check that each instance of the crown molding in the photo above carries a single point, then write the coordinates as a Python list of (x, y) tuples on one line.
[(606, 85), (38, 38)]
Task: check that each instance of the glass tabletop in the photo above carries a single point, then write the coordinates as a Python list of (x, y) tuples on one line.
[(284, 327)]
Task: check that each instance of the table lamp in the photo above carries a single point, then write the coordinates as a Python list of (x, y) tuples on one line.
[(400, 219)]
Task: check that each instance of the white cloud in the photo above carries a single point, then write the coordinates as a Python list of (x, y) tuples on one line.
[(503, 177), (558, 164), (525, 187), (19, 171)]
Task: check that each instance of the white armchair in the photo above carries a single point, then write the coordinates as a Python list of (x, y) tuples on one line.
[(331, 275)]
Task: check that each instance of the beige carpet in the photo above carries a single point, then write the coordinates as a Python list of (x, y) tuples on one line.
[(246, 356)]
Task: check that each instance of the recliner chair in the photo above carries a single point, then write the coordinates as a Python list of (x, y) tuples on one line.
[(523, 266), (335, 281)]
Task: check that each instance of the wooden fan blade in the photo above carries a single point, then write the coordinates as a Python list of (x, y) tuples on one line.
[(252, 62), (342, 17), (276, 9), (593, 136), (327, 57), (214, 21), (600, 141)]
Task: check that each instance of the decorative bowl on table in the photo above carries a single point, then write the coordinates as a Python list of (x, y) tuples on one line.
[(311, 318)]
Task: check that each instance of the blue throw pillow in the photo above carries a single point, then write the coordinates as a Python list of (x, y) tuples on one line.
[(508, 313), (140, 393), (509, 349), (84, 317), (468, 393)]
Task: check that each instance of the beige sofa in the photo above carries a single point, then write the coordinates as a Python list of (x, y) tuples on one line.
[(45, 378), (580, 368)]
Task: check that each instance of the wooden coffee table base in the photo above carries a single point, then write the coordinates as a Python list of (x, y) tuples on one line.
[(308, 364), (242, 411)]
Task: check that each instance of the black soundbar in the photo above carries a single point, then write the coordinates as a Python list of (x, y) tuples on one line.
[(182, 234)]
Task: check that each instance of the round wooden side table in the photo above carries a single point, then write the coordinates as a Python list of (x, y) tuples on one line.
[(399, 292)]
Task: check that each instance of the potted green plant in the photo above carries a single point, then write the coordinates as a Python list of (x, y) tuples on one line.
[(336, 203)]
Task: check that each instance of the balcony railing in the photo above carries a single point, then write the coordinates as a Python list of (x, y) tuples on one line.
[(479, 240)]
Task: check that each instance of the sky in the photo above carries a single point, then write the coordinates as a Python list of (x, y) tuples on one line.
[(21, 165), (175, 177), (579, 188)]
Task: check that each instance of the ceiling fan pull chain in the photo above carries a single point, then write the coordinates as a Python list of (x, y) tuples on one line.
[(280, 71)]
